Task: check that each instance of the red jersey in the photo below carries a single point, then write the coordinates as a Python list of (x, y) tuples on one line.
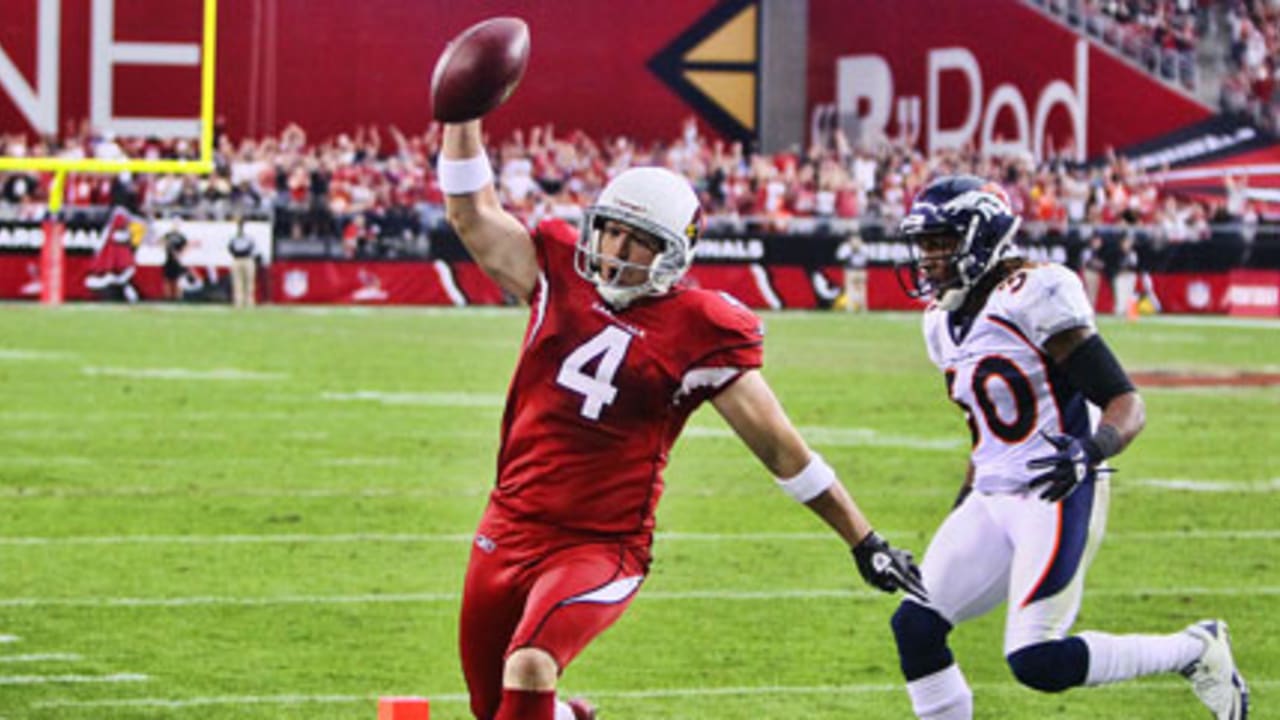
[(599, 395)]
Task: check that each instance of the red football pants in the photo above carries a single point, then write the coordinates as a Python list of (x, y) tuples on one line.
[(526, 589)]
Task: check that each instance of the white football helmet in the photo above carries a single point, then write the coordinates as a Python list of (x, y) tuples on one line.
[(653, 200)]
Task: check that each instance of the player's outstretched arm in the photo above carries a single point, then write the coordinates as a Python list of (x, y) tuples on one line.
[(1095, 371), (496, 239), (754, 413)]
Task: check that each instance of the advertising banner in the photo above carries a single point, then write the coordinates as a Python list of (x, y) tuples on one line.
[(206, 241), (382, 283), (1002, 76), (1000, 73), (1247, 292)]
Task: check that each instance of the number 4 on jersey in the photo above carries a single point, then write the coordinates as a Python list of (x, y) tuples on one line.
[(610, 345)]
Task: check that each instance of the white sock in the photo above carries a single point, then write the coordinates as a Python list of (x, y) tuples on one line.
[(943, 695), (563, 711), (1113, 658)]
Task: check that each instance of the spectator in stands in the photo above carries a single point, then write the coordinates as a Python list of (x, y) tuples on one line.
[(244, 267), (1126, 275), (174, 269), (1237, 189), (1094, 267), (854, 254)]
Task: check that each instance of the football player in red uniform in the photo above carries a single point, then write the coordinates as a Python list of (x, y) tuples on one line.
[(616, 357)]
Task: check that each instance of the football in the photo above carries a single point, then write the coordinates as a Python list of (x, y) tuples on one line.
[(479, 69)]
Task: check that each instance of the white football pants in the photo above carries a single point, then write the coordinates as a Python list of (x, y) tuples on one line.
[(1020, 549)]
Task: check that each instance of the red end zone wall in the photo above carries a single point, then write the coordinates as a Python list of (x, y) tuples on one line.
[(332, 65)]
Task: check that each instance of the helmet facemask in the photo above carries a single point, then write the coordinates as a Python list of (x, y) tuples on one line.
[(949, 290), (982, 227), (675, 231)]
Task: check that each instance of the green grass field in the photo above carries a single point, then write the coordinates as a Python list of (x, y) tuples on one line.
[(216, 515)]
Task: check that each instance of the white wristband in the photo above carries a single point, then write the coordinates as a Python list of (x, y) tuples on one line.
[(463, 177), (811, 482)]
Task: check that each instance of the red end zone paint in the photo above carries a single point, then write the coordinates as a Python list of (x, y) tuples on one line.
[(404, 708)]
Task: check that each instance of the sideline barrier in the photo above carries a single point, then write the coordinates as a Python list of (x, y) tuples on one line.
[(1225, 274)]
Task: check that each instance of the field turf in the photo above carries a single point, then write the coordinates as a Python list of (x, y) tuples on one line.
[(263, 515)]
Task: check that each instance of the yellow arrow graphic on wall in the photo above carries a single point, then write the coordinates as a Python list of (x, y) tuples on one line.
[(714, 66)]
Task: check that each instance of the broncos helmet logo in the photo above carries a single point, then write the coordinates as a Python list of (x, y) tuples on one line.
[(985, 203), (975, 211)]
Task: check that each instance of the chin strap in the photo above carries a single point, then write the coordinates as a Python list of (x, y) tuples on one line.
[(620, 297)]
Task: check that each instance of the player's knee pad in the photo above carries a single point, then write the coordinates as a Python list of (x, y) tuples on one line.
[(1051, 666), (921, 634)]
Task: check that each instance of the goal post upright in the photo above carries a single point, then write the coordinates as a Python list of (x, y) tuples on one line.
[(51, 261)]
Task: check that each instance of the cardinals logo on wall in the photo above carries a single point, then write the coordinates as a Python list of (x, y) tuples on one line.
[(371, 289), (33, 285)]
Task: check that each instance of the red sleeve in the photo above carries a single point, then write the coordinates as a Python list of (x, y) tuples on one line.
[(555, 237), (728, 339), (554, 241)]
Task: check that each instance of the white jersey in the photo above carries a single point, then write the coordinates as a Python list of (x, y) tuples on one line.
[(996, 368)]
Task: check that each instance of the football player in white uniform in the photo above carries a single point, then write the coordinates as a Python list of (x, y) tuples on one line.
[(1047, 403)]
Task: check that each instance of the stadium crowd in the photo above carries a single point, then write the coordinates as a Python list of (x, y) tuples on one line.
[(1162, 35), (378, 192), (1250, 85), (373, 192)]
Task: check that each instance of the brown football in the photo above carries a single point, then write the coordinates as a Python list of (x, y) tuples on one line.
[(479, 69)]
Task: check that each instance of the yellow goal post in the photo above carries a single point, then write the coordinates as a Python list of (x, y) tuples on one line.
[(51, 261)]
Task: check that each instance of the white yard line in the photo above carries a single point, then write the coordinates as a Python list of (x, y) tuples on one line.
[(198, 702), (9, 639), (677, 490), (195, 436), (126, 412), (428, 399), (1254, 392), (41, 657), (650, 596), (655, 694), (72, 679), (240, 539), (179, 490), (1208, 321), (842, 437), (181, 373), (225, 601), (1209, 486), (44, 460), (22, 354), (463, 537), (367, 461)]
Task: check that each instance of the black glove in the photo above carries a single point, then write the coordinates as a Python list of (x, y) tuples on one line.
[(1066, 468), (888, 568)]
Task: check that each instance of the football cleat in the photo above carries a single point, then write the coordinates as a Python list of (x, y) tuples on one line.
[(582, 710), (1214, 676)]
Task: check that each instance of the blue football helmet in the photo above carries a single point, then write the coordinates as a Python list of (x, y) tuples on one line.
[(973, 211)]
